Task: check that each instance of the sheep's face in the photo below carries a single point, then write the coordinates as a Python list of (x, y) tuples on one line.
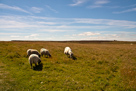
[(39, 61), (28, 52), (71, 54), (49, 55)]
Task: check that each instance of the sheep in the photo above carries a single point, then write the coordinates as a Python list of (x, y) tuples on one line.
[(34, 58), (32, 51), (45, 52), (68, 51)]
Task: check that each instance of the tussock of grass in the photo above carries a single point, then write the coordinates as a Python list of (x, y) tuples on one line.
[(106, 67)]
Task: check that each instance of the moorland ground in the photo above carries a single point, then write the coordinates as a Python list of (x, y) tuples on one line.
[(104, 66)]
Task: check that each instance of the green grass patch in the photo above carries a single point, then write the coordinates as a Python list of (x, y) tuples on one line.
[(96, 67)]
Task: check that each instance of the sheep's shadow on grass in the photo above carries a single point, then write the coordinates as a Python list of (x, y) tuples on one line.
[(47, 57), (38, 67)]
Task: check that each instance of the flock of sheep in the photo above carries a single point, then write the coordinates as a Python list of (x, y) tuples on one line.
[(34, 55)]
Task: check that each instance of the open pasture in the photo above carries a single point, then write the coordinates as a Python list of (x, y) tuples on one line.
[(96, 67)]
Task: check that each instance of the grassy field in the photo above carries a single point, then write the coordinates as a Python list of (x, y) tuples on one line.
[(97, 67)]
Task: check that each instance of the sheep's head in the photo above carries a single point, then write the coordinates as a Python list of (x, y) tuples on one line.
[(71, 54), (49, 55), (39, 55), (39, 61)]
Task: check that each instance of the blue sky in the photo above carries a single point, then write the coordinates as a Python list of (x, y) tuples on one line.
[(68, 20)]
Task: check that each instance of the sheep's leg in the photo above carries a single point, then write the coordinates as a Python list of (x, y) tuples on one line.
[(35, 64), (68, 56), (31, 65)]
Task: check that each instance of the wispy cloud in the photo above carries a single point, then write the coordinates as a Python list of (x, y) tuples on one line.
[(110, 35), (78, 2), (14, 36), (4, 6), (33, 36), (38, 28), (88, 34), (110, 22), (56, 24), (46, 23), (36, 9), (50, 8), (53, 30), (98, 3), (129, 6), (125, 11), (101, 2), (34, 28)]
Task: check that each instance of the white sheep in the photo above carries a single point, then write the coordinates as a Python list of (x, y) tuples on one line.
[(32, 51), (45, 52), (68, 51), (33, 58)]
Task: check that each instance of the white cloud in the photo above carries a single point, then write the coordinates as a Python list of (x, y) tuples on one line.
[(88, 34), (46, 23), (54, 30), (32, 36), (4, 6), (14, 36), (125, 11), (106, 37), (50, 8), (101, 2), (78, 2), (36, 9), (94, 3), (110, 22), (31, 28), (60, 24), (98, 3), (5, 23)]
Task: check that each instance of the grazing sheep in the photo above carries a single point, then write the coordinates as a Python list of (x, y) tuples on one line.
[(33, 58), (45, 52), (32, 51), (68, 51)]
